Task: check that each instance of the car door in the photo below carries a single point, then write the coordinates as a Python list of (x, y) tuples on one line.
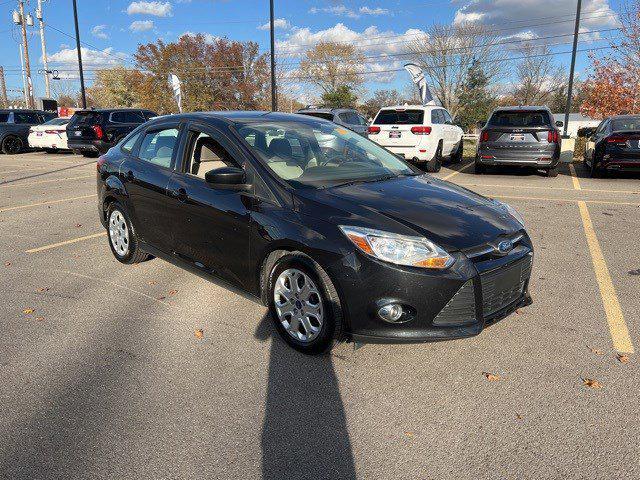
[(211, 224), (145, 174)]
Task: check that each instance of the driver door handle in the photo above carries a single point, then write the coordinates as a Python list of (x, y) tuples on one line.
[(180, 194)]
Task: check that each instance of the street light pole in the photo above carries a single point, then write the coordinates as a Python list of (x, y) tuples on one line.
[(274, 97), (576, 32), (82, 91), (47, 84), (27, 64)]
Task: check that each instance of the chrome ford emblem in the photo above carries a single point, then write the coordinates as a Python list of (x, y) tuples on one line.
[(505, 246)]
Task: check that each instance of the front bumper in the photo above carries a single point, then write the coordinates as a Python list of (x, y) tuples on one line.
[(456, 303)]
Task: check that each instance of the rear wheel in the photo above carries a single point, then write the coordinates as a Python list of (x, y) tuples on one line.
[(122, 237), (12, 145), (594, 171), (552, 172), (479, 168), (304, 305), (51, 150), (89, 154)]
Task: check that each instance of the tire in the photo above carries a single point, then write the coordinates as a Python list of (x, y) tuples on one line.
[(12, 145), (88, 154), (119, 227), (435, 164), (552, 172), (457, 156), (322, 305), (51, 150), (479, 168), (594, 171)]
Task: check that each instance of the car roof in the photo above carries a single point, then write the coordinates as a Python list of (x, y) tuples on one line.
[(412, 107), (628, 115), (241, 116), (521, 108), (107, 110), (326, 110), (23, 110)]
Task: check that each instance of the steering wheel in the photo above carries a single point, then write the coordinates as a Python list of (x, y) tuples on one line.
[(331, 156)]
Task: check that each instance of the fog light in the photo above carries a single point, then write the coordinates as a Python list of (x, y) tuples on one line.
[(391, 313)]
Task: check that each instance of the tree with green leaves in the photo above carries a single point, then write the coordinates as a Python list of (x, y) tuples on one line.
[(476, 101), (341, 97)]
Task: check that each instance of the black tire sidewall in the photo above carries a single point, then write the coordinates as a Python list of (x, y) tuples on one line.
[(10, 138), (133, 244), (323, 342)]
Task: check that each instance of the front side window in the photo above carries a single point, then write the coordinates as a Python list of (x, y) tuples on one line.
[(206, 153), (318, 155), (22, 117), (157, 147)]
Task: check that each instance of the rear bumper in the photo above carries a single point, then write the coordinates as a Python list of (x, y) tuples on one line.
[(626, 163), (96, 146), (537, 158), (422, 153), (47, 142)]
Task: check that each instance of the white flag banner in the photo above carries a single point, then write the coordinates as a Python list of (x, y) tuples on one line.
[(176, 86), (418, 78)]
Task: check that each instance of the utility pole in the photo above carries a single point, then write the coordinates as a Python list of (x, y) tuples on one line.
[(25, 46), (47, 86), (274, 97), (576, 32), (75, 19), (3, 89)]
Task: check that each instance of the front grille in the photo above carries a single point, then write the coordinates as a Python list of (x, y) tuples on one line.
[(460, 310), (503, 286)]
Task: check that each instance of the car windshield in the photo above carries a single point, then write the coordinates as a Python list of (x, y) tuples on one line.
[(627, 123), (320, 155), (399, 117), (525, 119)]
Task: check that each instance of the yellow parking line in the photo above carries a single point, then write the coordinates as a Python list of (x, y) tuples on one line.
[(574, 178), (568, 200), (28, 184), (457, 171), (39, 204), (66, 242), (617, 326)]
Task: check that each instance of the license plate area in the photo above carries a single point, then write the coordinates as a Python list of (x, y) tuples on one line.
[(516, 137), (395, 134)]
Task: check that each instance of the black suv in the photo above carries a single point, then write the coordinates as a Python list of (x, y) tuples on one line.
[(14, 128), (522, 137), (93, 132)]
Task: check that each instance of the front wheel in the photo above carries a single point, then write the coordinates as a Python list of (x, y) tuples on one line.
[(12, 145), (304, 305), (122, 237)]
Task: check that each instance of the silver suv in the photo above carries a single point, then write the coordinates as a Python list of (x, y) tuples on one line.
[(520, 136), (346, 117)]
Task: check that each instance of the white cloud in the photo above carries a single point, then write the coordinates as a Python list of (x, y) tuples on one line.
[(67, 59), (99, 32), (141, 25), (157, 9), (339, 10), (380, 46), (281, 23), (208, 37), (373, 11), (505, 16)]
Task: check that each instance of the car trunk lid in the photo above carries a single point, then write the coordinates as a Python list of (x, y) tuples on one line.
[(81, 126), (396, 127)]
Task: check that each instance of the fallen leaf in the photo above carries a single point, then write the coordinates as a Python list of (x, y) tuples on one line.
[(518, 311), (160, 298), (7, 264), (622, 358), (152, 282), (40, 319), (596, 351), (78, 225), (492, 377), (409, 434), (28, 311), (173, 292), (199, 333), (43, 289), (519, 417), (591, 383)]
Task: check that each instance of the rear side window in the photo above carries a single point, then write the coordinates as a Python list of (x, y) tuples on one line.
[(85, 118), (520, 119), (23, 117), (4, 117), (130, 143), (127, 117), (157, 147), (437, 117), (399, 117)]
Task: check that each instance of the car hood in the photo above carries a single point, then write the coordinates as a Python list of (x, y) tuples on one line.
[(452, 216)]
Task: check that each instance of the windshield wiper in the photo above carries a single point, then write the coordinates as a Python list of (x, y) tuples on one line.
[(366, 180)]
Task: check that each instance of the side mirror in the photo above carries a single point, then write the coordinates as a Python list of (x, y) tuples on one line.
[(559, 123), (586, 132), (225, 177)]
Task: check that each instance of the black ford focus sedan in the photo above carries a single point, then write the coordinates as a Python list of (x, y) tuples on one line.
[(336, 235)]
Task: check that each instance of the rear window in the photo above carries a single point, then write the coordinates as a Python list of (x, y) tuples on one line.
[(629, 123), (323, 115), (399, 117), (520, 119), (4, 117), (86, 118), (57, 121)]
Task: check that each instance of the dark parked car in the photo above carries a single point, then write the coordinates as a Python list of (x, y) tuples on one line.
[(347, 117), (613, 146), (522, 137), (92, 132), (351, 243), (14, 128)]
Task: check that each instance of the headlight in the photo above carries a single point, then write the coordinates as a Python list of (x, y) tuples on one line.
[(398, 249), (510, 210)]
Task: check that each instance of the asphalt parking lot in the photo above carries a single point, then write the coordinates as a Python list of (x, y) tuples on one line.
[(114, 371)]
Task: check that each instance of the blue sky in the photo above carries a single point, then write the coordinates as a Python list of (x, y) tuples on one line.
[(111, 30)]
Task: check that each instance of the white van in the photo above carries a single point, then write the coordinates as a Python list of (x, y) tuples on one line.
[(425, 135)]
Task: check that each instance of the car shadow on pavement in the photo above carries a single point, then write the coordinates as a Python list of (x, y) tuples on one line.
[(36, 175), (304, 435)]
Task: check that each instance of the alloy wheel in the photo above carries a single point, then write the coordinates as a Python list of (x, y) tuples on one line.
[(12, 145), (119, 233), (298, 303)]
